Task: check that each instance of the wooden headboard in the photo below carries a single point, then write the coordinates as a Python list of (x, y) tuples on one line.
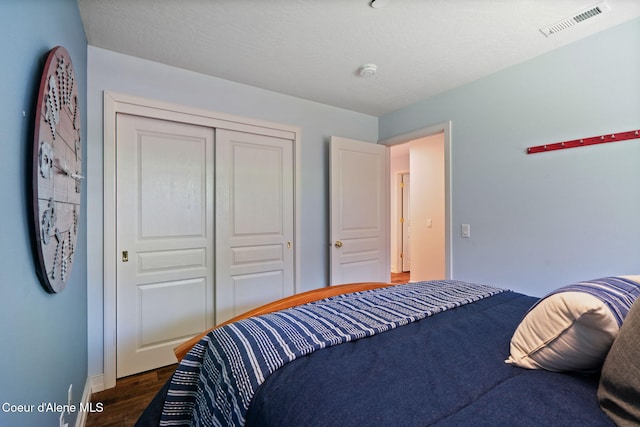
[(288, 302)]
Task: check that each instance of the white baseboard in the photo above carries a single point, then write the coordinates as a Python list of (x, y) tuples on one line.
[(81, 418), (93, 385)]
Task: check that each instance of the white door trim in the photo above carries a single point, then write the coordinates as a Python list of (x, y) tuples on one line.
[(396, 227), (405, 259), (115, 103), (428, 131)]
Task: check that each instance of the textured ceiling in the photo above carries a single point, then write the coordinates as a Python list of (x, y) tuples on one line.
[(313, 49)]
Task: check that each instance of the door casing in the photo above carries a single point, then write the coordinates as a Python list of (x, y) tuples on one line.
[(405, 225), (446, 128)]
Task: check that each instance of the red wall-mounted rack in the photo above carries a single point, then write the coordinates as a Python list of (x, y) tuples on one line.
[(602, 139)]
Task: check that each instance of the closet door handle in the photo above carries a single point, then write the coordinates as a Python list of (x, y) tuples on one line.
[(338, 244)]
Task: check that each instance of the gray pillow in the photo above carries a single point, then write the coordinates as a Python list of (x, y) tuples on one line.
[(619, 388)]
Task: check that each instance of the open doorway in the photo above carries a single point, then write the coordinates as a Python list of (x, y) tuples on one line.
[(420, 217), (400, 217)]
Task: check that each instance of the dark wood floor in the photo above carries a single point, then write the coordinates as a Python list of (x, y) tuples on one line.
[(399, 278), (124, 403)]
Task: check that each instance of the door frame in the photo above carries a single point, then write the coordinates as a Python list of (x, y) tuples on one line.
[(444, 127), (404, 250), (115, 103), (395, 230)]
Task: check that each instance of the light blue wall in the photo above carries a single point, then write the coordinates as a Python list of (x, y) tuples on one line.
[(134, 76), (543, 220), (43, 336)]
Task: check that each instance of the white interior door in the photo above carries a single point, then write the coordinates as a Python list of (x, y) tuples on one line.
[(406, 223), (254, 221), (164, 239), (359, 210)]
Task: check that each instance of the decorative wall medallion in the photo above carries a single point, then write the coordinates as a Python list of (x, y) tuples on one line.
[(57, 167)]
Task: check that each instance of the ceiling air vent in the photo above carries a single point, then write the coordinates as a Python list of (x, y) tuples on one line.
[(596, 10)]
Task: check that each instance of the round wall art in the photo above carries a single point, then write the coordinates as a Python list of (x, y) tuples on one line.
[(57, 166)]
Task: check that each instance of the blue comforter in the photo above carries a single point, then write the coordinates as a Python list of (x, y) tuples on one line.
[(216, 381), (446, 370)]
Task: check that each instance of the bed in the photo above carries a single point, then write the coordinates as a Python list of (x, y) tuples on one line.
[(444, 353)]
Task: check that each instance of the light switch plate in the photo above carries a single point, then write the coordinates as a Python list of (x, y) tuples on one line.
[(465, 230)]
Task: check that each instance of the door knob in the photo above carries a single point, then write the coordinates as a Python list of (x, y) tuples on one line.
[(338, 244)]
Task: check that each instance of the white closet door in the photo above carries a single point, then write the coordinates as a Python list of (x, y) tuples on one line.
[(164, 239), (254, 221)]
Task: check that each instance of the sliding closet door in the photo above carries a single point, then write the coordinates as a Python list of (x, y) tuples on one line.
[(164, 239), (254, 221)]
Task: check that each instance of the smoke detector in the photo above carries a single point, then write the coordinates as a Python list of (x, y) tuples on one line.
[(368, 70), (579, 17)]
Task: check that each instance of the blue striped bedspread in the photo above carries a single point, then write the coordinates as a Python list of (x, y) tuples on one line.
[(215, 382)]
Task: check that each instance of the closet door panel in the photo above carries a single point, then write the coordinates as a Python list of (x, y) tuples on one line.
[(254, 221)]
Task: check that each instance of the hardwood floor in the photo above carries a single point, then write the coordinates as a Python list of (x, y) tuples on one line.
[(400, 278), (124, 403)]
